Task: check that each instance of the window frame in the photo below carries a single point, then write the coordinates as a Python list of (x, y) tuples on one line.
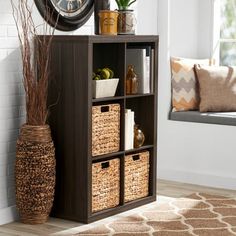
[(217, 40)]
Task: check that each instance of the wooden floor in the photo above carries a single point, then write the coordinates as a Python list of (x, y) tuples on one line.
[(58, 227)]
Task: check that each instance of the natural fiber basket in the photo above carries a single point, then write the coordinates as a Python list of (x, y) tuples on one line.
[(105, 129), (136, 176), (35, 174), (105, 184)]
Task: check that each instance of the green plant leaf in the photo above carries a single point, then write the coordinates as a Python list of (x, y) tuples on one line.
[(131, 2), (122, 3), (118, 4), (126, 3)]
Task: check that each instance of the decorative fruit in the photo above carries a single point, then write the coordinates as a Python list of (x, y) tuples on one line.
[(111, 73), (105, 73), (97, 77)]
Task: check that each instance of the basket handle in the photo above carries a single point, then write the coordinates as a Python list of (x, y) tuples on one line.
[(105, 165), (105, 108), (136, 157)]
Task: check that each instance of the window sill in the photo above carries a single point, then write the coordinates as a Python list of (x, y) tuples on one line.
[(220, 118)]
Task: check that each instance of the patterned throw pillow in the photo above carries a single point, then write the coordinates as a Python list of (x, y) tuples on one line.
[(185, 94)]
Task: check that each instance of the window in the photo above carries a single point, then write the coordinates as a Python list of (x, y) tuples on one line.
[(227, 42)]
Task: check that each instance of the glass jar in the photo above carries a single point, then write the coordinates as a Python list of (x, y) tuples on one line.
[(139, 137), (131, 81), (126, 22)]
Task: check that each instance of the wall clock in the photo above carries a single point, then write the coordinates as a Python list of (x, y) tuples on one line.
[(71, 14)]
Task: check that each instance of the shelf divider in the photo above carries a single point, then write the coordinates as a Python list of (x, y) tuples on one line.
[(109, 155), (106, 99), (139, 95), (138, 149)]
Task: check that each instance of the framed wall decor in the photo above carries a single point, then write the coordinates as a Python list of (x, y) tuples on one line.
[(67, 15)]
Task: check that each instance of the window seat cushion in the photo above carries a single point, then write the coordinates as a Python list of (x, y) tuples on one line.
[(221, 118)]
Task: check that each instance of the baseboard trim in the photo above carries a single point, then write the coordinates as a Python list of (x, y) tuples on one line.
[(203, 179), (8, 215)]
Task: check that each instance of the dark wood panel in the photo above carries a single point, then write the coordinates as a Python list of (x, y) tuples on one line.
[(139, 149), (107, 99), (69, 123), (122, 208)]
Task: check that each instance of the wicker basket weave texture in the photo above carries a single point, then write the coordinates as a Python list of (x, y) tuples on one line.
[(105, 129), (136, 176), (105, 184), (35, 174)]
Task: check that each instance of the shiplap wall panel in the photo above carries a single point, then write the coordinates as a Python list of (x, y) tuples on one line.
[(12, 103)]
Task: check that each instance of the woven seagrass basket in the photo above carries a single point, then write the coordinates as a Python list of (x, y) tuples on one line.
[(136, 176), (105, 129), (35, 174), (105, 184)]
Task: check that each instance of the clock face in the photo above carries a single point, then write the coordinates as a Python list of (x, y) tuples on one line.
[(65, 15), (70, 8)]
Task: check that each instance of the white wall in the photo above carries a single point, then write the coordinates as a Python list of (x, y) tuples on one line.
[(190, 152), (147, 16), (184, 27), (12, 107)]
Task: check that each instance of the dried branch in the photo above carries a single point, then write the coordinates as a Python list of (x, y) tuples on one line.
[(35, 53)]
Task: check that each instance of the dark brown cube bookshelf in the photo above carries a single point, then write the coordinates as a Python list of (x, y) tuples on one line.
[(73, 60)]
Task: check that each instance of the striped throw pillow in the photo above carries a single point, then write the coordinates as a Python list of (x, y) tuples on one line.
[(185, 95)]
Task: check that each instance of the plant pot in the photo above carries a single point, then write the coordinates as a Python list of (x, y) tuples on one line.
[(108, 22), (105, 88), (35, 174), (126, 22)]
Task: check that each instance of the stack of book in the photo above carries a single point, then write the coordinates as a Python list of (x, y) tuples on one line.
[(142, 58), (129, 129)]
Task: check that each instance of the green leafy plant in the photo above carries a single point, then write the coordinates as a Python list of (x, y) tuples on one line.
[(124, 4), (105, 73)]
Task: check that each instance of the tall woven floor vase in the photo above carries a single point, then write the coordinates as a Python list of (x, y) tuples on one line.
[(35, 174)]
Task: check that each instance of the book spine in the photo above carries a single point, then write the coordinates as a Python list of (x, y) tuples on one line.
[(132, 130), (152, 68), (129, 129), (147, 75)]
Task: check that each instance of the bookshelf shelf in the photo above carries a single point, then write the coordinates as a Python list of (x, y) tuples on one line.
[(139, 95), (134, 150), (108, 99), (107, 156), (71, 119)]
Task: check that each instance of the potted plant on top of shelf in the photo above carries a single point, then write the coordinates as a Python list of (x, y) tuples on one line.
[(104, 85), (126, 19), (35, 152)]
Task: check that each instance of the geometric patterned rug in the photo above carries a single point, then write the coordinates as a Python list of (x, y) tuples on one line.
[(199, 214)]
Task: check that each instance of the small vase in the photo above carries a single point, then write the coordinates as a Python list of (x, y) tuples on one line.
[(131, 81), (98, 6), (35, 174), (139, 137), (126, 22)]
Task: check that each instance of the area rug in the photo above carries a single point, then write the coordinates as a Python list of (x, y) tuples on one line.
[(199, 214)]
